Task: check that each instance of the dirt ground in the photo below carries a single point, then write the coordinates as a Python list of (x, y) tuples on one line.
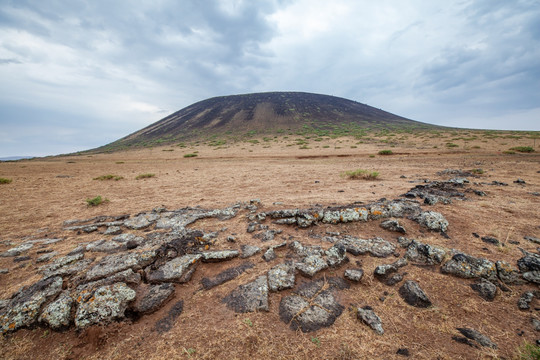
[(46, 192)]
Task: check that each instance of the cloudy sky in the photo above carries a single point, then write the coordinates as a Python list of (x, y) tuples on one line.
[(79, 74)]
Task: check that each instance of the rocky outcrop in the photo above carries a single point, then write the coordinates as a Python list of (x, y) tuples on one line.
[(250, 297), (469, 267)]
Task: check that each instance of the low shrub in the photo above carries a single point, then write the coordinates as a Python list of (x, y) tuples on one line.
[(96, 201), (109, 177), (190, 155), (385, 152), (361, 174), (523, 149), (5, 181), (451, 145), (144, 176)]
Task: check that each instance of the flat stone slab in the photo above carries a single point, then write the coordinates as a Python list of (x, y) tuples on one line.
[(177, 270), (249, 250), (115, 263), (226, 275), (250, 297), (141, 221), (313, 306), (220, 255), (469, 267), (474, 338), (376, 247), (23, 309), (18, 250), (108, 303), (311, 265), (153, 297), (281, 277)]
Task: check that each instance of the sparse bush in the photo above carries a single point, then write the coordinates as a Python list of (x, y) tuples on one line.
[(523, 149), (385, 152), (5, 181), (119, 162), (361, 174), (145, 176), (326, 146), (509, 152), (96, 201), (477, 171), (190, 155), (529, 351), (451, 145), (109, 177)]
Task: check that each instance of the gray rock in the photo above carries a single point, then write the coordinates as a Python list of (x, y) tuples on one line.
[(268, 235), (393, 225), (311, 265), (127, 276), (76, 267), (58, 313), (478, 337), (51, 241), (469, 267), (526, 298), (269, 255), (536, 324), (59, 264), (281, 277), (3, 304), (107, 304), (250, 297), (18, 250), (112, 264), (413, 295), (336, 255), (226, 275), (368, 317), (4, 271), (21, 258), (354, 274), (507, 274), (217, 256), (141, 221), (89, 229), (530, 262), (424, 254), (153, 297), (177, 270), (249, 250), (105, 246), (305, 250), (532, 276), (385, 273), (433, 221), (376, 247), (46, 257), (312, 306), (486, 289), (78, 250), (532, 239), (113, 230), (491, 240), (23, 308)]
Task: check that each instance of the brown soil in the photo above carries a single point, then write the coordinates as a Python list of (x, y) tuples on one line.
[(45, 192)]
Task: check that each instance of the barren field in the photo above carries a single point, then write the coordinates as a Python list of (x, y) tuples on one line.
[(286, 173)]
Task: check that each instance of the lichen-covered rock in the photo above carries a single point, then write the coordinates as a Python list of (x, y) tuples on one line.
[(530, 262), (249, 250), (269, 255), (23, 308), (58, 313), (433, 221), (220, 255), (424, 254), (267, 235), (376, 247), (177, 270), (354, 274), (313, 305), (336, 255), (526, 298), (413, 295), (153, 297), (507, 274), (141, 221), (281, 277), (112, 264), (113, 230), (532, 276), (486, 289), (107, 304), (469, 267), (127, 276), (385, 273), (46, 257), (393, 225), (105, 246), (368, 317), (478, 337), (250, 297), (311, 265), (18, 250), (305, 250)]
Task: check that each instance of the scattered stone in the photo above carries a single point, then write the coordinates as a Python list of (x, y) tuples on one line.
[(153, 297), (403, 352), (281, 277), (51, 241), (519, 181), (532, 239), (269, 255), (105, 246), (413, 295), (354, 274), (4, 271), (226, 275), (486, 289), (386, 273), (177, 270), (58, 313), (16, 251), (478, 337), (313, 305), (491, 240), (221, 255), (368, 317), (21, 258), (424, 254), (113, 230), (112, 264), (89, 229), (433, 221), (498, 183), (393, 225), (165, 324), (268, 235), (305, 250), (231, 239), (526, 299), (536, 324), (141, 221), (107, 304), (469, 267), (249, 250), (479, 193), (336, 255), (60, 263), (311, 265), (376, 247), (394, 279), (250, 297), (532, 276), (507, 274), (46, 257), (78, 250), (23, 308)]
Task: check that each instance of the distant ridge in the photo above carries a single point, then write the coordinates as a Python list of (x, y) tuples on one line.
[(265, 113)]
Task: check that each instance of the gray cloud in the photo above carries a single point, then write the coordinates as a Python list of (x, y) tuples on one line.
[(98, 70)]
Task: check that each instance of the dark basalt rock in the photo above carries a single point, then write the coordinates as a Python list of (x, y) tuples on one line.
[(153, 297), (413, 295), (250, 297), (226, 275), (486, 289), (368, 317)]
